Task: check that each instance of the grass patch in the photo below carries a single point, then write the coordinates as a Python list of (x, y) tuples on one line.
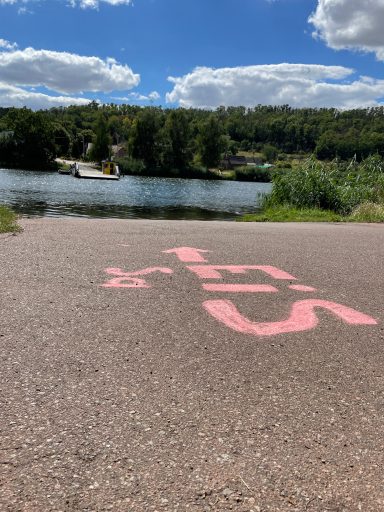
[(286, 213), (8, 221), (368, 212)]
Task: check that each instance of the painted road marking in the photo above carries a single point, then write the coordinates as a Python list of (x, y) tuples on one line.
[(130, 279), (212, 271), (302, 316), (239, 288), (188, 254), (301, 288)]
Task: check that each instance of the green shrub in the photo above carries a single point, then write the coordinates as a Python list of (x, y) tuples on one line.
[(368, 212), (131, 166), (378, 189), (250, 173), (353, 194), (313, 185), (336, 186), (8, 221), (283, 164), (270, 152), (363, 183)]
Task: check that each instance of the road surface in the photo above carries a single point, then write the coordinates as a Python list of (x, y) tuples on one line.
[(139, 373)]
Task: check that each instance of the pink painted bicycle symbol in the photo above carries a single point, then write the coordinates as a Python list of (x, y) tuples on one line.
[(302, 315)]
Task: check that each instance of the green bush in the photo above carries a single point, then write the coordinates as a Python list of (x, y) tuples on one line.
[(249, 173), (368, 212), (339, 187), (198, 172), (309, 186), (270, 152), (363, 183), (130, 166), (283, 164), (8, 221)]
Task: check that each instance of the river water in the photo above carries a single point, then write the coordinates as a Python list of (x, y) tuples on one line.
[(35, 193)]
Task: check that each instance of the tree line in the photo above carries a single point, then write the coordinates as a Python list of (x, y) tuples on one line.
[(180, 139)]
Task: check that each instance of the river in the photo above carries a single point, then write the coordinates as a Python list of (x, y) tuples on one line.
[(35, 193)]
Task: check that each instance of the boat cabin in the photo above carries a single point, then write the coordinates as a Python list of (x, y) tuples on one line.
[(110, 167)]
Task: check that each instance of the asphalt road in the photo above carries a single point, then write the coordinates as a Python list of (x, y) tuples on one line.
[(179, 389)]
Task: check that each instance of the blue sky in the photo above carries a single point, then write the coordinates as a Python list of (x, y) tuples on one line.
[(192, 53)]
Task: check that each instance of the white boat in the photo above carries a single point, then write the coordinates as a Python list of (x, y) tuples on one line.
[(109, 171)]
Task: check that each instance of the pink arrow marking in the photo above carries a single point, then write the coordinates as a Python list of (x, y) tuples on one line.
[(301, 318), (188, 254)]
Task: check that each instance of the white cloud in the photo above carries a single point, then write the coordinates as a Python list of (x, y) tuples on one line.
[(84, 4), (11, 96), (7, 45), (23, 10), (136, 96), (299, 85), (351, 24), (63, 72), (94, 4), (154, 95)]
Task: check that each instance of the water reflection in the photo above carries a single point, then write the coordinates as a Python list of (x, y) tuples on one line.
[(50, 194)]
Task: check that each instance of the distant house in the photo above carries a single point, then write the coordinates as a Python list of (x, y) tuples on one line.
[(232, 161), (254, 161), (119, 151)]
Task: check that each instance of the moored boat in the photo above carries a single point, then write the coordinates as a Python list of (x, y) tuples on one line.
[(109, 171), (110, 168)]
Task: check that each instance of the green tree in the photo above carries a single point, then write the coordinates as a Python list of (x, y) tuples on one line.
[(115, 127), (210, 141), (177, 132), (144, 138), (63, 139), (102, 143), (270, 153), (32, 143), (80, 142), (326, 148)]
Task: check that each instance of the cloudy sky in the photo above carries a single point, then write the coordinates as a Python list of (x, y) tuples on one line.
[(192, 53)]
